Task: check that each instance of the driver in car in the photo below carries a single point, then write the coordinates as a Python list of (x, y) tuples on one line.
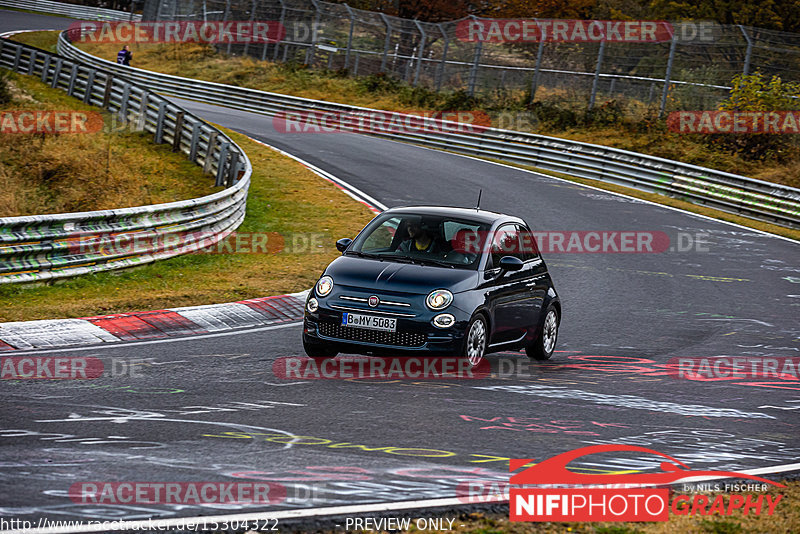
[(419, 239)]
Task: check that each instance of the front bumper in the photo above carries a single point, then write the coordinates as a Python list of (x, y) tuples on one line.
[(413, 335)]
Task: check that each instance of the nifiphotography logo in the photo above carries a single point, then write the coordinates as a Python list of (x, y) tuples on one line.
[(624, 497)]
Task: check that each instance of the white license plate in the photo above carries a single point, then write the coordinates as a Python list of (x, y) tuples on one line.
[(370, 322)]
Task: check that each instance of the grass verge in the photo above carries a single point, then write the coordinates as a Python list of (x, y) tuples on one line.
[(284, 198), (52, 173)]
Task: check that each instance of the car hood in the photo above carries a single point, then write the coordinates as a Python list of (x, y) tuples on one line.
[(399, 277)]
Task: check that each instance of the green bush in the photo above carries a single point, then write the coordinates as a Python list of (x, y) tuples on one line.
[(755, 92)]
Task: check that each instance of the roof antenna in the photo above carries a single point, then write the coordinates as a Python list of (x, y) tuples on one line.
[(478, 207)]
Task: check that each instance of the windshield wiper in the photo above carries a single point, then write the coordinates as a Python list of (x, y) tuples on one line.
[(365, 255), (402, 259), (440, 263)]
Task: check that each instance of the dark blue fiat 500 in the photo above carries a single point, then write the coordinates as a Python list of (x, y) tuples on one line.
[(440, 281)]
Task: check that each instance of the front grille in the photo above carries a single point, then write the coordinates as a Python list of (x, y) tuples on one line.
[(398, 339)]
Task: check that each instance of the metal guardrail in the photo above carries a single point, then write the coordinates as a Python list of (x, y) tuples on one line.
[(44, 247), (70, 10), (756, 199)]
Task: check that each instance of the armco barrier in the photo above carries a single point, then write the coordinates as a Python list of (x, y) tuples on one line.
[(751, 198), (70, 10), (43, 247)]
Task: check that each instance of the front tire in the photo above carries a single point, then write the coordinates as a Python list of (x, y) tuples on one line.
[(318, 351), (476, 340), (545, 344)]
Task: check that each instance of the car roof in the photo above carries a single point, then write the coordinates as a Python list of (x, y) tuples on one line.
[(447, 211)]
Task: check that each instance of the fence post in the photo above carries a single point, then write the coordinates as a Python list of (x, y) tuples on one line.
[(72, 77), (537, 70), (668, 75), (195, 142), (281, 21), (225, 16), (747, 54), (143, 104), (443, 61), (252, 18), (162, 112), (46, 69), (355, 67), (473, 75), (423, 38), (212, 141), (106, 91), (176, 139), (123, 106), (31, 62), (596, 79), (57, 72), (223, 159), (312, 49), (17, 57), (234, 167), (87, 91), (350, 35), (386, 41)]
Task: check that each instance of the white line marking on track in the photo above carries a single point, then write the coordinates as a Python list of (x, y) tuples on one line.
[(153, 341)]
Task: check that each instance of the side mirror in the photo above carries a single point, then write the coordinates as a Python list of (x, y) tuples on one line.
[(510, 263), (342, 244)]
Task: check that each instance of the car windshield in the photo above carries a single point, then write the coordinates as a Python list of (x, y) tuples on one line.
[(424, 239)]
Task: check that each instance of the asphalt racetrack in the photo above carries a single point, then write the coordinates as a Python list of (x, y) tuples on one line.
[(210, 408)]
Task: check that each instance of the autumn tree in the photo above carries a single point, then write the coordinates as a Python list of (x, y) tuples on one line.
[(771, 14)]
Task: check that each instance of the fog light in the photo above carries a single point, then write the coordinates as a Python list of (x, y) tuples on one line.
[(312, 305), (444, 320)]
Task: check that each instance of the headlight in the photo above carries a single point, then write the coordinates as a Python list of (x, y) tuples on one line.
[(443, 320), (439, 299), (312, 305), (324, 286)]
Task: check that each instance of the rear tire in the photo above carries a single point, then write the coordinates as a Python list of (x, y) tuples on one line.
[(476, 339), (318, 351), (545, 344)]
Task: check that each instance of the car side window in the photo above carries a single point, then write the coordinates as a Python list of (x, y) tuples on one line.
[(505, 242), (530, 249)]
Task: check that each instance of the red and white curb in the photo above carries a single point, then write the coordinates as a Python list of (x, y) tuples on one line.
[(172, 322)]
